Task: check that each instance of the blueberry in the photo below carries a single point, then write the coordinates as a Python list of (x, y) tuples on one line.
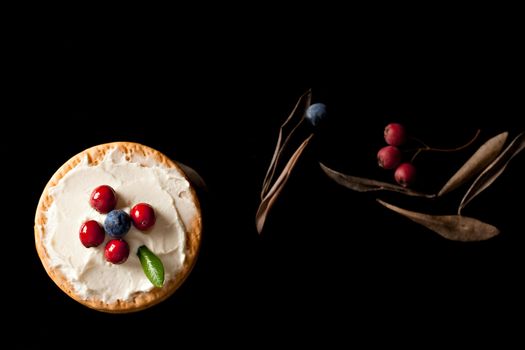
[(117, 223), (315, 113)]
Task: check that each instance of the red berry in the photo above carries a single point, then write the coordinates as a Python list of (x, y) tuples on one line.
[(388, 157), (395, 134), (143, 216), (116, 251), (91, 234), (405, 174), (103, 199)]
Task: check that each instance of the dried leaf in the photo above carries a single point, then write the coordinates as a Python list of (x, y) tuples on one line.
[(360, 184), (276, 189), (193, 176), (273, 164), (479, 160), (303, 102), (494, 170), (453, 227)]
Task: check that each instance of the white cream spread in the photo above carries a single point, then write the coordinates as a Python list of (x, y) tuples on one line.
[(165, 189)]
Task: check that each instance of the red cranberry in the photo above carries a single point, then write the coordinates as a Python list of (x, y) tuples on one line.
[(91, 234), (395, 134), (116, 251), (143, 216), (405, 174), (103, 199), (389, 157)]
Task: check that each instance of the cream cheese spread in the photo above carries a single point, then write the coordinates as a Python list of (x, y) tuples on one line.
[(136, 180)]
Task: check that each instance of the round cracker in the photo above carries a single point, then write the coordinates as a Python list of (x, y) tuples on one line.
[(139, 300)]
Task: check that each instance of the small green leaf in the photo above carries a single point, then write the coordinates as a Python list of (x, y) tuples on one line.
[(152, 266)]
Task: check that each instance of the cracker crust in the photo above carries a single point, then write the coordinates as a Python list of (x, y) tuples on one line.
[(140, 300)]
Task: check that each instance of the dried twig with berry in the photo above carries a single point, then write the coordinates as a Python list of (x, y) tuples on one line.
[(303, 110), (489, 160), (487, 163)]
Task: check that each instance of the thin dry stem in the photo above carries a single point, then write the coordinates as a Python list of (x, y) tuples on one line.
[(427, 148)]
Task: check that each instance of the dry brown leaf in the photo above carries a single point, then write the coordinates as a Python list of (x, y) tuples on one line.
[(453, 227), (475, 164), (360, 184), (494, 170), (273, 194), (303, 102)]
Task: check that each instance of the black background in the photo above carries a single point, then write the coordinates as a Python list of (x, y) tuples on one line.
[(331, 265)]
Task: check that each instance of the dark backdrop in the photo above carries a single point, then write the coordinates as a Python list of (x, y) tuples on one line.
[(332, 265)]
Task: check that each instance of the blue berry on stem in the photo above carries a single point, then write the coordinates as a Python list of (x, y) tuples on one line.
[(117, 223), (315, 113)]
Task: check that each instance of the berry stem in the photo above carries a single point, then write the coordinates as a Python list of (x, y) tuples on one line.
[(271, 173), (432, 149)]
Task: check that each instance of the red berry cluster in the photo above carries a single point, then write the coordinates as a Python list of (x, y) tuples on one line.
[(104, 199), (390, 157)]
